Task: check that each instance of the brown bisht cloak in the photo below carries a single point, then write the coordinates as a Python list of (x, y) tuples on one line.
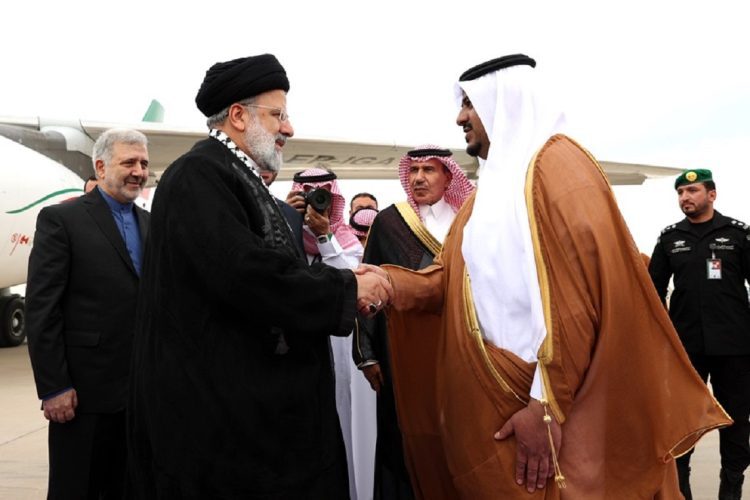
[(613, 368)]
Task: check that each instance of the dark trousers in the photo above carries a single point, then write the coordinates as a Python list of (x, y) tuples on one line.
[(87, 457), (730, 380)]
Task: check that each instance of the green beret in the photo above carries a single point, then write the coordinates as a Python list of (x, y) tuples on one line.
[(693, 176)]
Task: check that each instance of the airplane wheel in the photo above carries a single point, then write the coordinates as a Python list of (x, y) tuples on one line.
[(12, 321)]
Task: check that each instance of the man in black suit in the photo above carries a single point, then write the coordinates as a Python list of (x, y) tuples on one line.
[(81, 297)]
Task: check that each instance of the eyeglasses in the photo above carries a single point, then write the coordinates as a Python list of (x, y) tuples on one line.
[(282, 115)]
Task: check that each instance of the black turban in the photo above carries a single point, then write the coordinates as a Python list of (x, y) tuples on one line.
[(232, 81)]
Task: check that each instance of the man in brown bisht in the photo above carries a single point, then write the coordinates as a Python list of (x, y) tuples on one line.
[(546, 324), (408, 234)]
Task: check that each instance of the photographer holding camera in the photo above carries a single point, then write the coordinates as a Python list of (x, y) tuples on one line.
[(315, 194)]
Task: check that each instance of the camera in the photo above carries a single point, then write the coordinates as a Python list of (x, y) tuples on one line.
[(319, 199)]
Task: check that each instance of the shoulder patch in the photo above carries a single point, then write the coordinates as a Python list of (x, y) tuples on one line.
[(740, 224), (668, 228)]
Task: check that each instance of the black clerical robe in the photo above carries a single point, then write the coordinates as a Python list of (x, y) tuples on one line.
[(294, 218), (232, 394), (397, 236)]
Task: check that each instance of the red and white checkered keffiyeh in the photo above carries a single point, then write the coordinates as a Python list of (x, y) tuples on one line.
[(361, 220), (344, 234), (459, 189)]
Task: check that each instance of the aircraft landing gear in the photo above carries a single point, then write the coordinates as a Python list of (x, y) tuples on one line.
[(12, 320)]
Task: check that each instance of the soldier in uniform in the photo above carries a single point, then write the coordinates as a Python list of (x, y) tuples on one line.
[(709, 256)]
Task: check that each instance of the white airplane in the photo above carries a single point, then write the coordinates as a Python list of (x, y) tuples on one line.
[(46, 161)]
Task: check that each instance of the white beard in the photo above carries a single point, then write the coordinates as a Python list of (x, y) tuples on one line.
[(262, 146)]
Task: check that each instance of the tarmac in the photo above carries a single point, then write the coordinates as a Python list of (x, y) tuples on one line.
[(23, 438)]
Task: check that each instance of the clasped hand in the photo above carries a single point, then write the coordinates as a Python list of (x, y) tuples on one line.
[(374, 291), (534, 463)]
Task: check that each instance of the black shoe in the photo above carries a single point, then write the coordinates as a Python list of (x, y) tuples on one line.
[(730, 487), (683, 473)]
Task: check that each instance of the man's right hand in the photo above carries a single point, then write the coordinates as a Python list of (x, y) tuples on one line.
[(62, 407), (374, 376), (534, 463), (295, 199)]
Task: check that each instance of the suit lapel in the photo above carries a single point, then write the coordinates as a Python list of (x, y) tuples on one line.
[(102, 215)]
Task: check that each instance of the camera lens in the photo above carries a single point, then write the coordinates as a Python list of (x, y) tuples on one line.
[(319, 199)]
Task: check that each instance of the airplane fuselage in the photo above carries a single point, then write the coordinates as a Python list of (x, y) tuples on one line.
[(29, 181)]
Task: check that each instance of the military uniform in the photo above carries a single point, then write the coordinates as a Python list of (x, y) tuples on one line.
[(709, 308), (711, 315)]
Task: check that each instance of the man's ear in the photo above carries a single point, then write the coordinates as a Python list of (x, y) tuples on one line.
[(99, 169), (234, 117)]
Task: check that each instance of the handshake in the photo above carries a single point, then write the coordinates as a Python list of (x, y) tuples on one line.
[(374, 290)]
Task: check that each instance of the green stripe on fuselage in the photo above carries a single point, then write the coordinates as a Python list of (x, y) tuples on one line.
[(43, 199)]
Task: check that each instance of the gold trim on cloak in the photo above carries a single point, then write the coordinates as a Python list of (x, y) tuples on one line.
[(546, 352), (476, 333), (418, 228), (546, 347)]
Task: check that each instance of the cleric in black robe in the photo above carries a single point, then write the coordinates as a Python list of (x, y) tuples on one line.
[(407, 234), (232, 394)]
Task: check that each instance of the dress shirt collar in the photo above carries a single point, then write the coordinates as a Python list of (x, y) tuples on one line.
[(115, 205), (438, 210)]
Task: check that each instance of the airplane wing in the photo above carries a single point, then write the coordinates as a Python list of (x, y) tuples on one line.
[(70, 142), (350, 160), (635, 173), (166, 143)]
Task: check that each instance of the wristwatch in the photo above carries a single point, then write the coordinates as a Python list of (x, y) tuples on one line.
[(324, 238)]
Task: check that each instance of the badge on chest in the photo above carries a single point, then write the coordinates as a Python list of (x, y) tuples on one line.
[(713, 268), (679, 246), (721, 244)]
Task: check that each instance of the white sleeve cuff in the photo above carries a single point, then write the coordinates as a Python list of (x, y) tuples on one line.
[(330, 248), (536, 384)]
